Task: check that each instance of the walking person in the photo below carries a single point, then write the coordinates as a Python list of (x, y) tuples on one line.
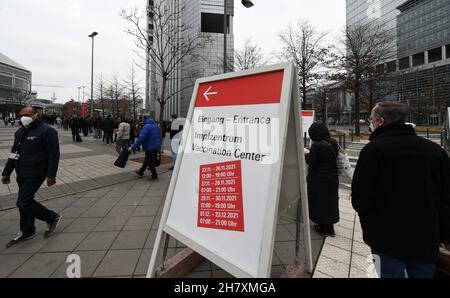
[(323, 180), (35, 158), (123, 135), (401, 191), (150, 139)]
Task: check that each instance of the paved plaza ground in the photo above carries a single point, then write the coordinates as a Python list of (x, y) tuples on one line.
[(110, 219)]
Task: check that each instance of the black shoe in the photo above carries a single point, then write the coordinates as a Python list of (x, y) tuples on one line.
[(139, 174), (172, 168), (20, 238), (51, 227)]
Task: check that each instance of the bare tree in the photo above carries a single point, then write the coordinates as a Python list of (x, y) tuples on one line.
[(250, 56), (116, 91), (133, 90), (167, 46), (101, 88), (363, 47), (303, 46)]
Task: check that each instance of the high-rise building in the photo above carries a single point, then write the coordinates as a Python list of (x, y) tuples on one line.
[(421, 64), (204, 20)]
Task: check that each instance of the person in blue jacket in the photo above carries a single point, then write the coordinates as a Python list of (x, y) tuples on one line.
[(150, 140), (35, 157)]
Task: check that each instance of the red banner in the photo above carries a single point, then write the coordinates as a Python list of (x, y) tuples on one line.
[(84, 110)]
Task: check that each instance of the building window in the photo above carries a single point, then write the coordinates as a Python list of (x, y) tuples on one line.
[(391, 66), (435, 55), (380, 69), (447, 51), (419, 59), (403, 63), (213, 23)]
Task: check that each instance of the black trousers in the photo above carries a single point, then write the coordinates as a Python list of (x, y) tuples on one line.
[(109, 136), (29, 209), (149, 162)]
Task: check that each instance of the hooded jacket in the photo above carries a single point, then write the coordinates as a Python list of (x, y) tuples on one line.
[(149, 138)]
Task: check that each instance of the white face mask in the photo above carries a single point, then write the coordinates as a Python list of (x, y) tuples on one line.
[(26, 121), (372, 128)]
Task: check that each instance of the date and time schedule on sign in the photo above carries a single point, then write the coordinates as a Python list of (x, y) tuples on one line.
[(220, 197)]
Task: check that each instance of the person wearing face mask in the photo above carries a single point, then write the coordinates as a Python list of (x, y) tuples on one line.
[(35, 158), (401, 191)]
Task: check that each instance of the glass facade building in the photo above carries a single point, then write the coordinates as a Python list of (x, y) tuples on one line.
[(15, 86), (421, 64), (204, 20)]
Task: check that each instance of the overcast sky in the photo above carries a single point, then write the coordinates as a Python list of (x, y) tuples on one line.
[(50, 37)]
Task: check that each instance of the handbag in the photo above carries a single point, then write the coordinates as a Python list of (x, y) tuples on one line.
[(343, 164), (443, 263), (122, 160), (158, 159)]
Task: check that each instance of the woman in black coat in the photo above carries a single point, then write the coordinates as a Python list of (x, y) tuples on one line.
[(323, 180)]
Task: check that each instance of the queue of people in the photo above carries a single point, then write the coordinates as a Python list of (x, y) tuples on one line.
[(400, 190)]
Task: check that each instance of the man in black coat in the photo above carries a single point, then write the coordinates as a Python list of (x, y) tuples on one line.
[(401, 191), (35, 157)]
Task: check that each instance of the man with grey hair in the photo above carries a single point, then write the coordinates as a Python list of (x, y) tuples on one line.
[(401, 191)]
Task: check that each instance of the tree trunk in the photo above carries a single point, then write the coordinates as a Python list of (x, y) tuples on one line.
[(134, 108), (117, 107), (304, 94), (162, 106), (357, 112)]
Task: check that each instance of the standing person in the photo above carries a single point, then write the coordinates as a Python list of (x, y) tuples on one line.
[(132, 132), (150, 139), (123, 135), (401, 191), (137, 133), (323, 180), (75, 127), (97, 128), (108, 126), (59, 121), (35, 157), (174, 128)]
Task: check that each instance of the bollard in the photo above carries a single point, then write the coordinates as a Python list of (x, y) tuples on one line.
[(428, 133), (442, 139), (345, 143), (351, 134)]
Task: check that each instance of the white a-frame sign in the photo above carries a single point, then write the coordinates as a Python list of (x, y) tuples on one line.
[(241, 164)]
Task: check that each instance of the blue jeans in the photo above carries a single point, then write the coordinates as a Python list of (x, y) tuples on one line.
[(390, 267)]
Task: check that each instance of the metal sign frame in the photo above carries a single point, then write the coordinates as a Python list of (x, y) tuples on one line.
[(289, 105)]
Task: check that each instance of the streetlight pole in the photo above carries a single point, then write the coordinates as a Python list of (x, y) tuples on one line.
[(91, 112), (247, 4)]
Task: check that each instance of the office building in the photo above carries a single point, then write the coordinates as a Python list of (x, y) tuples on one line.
[(204, 20), (15, 86), (421, 64)]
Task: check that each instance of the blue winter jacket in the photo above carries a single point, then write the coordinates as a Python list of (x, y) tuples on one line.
[(149, 138)]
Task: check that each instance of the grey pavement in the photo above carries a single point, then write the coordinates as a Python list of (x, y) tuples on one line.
[(113, 230), (83, 166), (110, 219)]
